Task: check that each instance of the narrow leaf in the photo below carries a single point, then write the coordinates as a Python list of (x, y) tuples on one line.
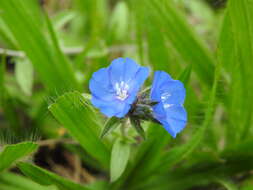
[(172, 24), (185, 75), (12, 153), (137, 126), (77, 116), (24, 75), (54, 70), (241, 15), (45, 177), (11, 181), (119, 158), (110, 123)]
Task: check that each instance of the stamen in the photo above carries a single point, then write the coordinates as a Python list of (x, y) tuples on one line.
[(121, 90)]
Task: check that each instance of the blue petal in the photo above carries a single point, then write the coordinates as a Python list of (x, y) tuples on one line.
[(159, 112), (135, 84), (124, 111), (100, 91), (123, 70), (160, 78), (176, 112), (103, 86), (173, 92), (117, 70), (111, 108), (168, 128), (108, 111), (170, 94), (102, 77), (130, 69), (176, 118)]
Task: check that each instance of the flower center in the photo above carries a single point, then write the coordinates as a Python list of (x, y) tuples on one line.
[(165, 96), (121, 90)]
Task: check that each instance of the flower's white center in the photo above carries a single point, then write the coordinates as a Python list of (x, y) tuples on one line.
[(164, 97), (121, 90)]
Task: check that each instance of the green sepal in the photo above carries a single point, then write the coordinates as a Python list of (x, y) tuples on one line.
[(109, 124), (136, 123)]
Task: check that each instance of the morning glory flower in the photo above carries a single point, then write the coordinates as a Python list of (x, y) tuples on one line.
[(169, 95), (114, 89)]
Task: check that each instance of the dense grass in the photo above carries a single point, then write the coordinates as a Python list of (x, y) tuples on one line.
[(49, 51)]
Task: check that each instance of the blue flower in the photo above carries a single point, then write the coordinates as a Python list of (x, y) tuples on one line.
[(114, 89), (170, 95)]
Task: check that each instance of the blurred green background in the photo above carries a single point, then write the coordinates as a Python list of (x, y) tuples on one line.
[(49, 132)]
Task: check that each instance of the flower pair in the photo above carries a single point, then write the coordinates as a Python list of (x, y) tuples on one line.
[(115, 92)]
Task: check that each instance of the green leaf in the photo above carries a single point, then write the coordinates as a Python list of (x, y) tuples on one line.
[(119, 22), (2, 78), (184, 41), (78, 117), (10, 181), (110, 123), (241, 14), (119, 158), (158, 51), (6, 101), (226, 183), (12, 153), (45, 177), (185, 75), (62, 18), (24, 75), (53, 68), (6, 35), (149, 156)]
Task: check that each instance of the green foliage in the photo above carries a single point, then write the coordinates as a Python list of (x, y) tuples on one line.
[(119, 158), (44, 177), (73, 111), (10, 181), (109, 125), (12, 153), (49, 51), (24, 75), (53, 68)]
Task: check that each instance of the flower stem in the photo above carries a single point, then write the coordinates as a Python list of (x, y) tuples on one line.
[(123, 128)]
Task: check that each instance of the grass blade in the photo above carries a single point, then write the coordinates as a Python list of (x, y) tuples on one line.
[(45, 177), (10, 181), (12, 153), (77, 116), (191, 49), (55, 72)]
